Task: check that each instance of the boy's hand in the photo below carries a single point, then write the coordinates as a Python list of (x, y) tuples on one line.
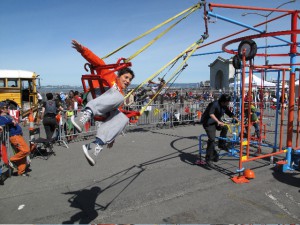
[(77, 46)]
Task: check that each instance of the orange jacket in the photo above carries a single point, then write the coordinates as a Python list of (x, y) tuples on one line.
[(105, 74)]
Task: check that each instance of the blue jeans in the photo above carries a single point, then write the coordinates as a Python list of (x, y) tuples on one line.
[(99, 141)]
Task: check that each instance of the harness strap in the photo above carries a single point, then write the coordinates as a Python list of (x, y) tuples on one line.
[(153, 29)]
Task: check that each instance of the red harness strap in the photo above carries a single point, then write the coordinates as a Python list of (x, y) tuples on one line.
[(132, 115), (93, 76)]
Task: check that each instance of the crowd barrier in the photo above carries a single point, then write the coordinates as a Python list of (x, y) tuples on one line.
[(6, 151), (156, 116), (169, 114)]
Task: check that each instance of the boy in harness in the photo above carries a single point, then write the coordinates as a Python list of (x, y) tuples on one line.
[(106, 105)]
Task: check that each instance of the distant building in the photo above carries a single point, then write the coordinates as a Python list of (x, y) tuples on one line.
[(221, 73), (207, 83)]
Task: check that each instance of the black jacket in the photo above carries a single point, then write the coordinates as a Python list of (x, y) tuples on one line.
[(216, 109)]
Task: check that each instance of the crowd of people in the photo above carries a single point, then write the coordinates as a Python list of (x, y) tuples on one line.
[(51, 107)]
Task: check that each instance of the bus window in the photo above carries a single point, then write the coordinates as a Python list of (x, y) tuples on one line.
[(2, 82), (25, 85), (12, 82), (26, 89)]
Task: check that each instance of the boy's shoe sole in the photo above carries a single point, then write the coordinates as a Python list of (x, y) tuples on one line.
[(24, 175), (87, 156)]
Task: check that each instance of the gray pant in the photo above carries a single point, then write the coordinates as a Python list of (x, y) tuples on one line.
[(109, 101)]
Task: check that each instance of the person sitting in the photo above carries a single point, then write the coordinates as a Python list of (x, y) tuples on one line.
[(106, 105)]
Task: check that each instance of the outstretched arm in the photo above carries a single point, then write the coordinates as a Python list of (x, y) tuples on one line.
[(151, 82), (88, 55)]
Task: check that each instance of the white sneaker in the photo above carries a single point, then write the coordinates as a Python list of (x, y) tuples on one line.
[(80, 120), (91, 151), (86, 116)]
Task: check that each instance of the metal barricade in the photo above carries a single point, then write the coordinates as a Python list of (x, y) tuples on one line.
[(156, 116), (6, 153), (65, 135), (169, 114)]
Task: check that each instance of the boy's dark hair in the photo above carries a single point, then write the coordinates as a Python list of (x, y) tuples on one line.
[(125, 70), (49, 96), (225, 98)]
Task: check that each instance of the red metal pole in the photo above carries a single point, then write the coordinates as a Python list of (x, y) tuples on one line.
[(298, 115), (264, 156), (293, 51), (249, 110), (243, 112), (282, 110), (211, 5), (262, 35)]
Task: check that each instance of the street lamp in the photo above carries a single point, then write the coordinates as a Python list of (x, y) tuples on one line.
[(266, 25)]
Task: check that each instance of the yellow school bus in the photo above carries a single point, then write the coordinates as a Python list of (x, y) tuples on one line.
[(19, 89)]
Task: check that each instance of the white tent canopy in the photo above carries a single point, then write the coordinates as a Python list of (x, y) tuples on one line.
[(256, 82), (285, 84)]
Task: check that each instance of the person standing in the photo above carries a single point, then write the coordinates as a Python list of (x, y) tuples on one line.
[(16, 139), (158, 87), (78, 98), (49, 111), (211, 121), (69, 125), (255, 121), (129, 102), (40, 98)]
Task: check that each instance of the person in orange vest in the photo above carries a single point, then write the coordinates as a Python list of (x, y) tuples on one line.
[(107, 104), (16, 139)]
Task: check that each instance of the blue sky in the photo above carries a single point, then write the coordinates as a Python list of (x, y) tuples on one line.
[(36, 35)]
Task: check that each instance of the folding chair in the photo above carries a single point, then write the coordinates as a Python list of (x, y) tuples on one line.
[(44, 147)]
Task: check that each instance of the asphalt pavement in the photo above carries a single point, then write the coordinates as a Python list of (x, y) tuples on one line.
[(148, 177)]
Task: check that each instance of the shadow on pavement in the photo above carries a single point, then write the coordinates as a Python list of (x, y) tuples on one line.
[(289, 178), (85, 200)]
